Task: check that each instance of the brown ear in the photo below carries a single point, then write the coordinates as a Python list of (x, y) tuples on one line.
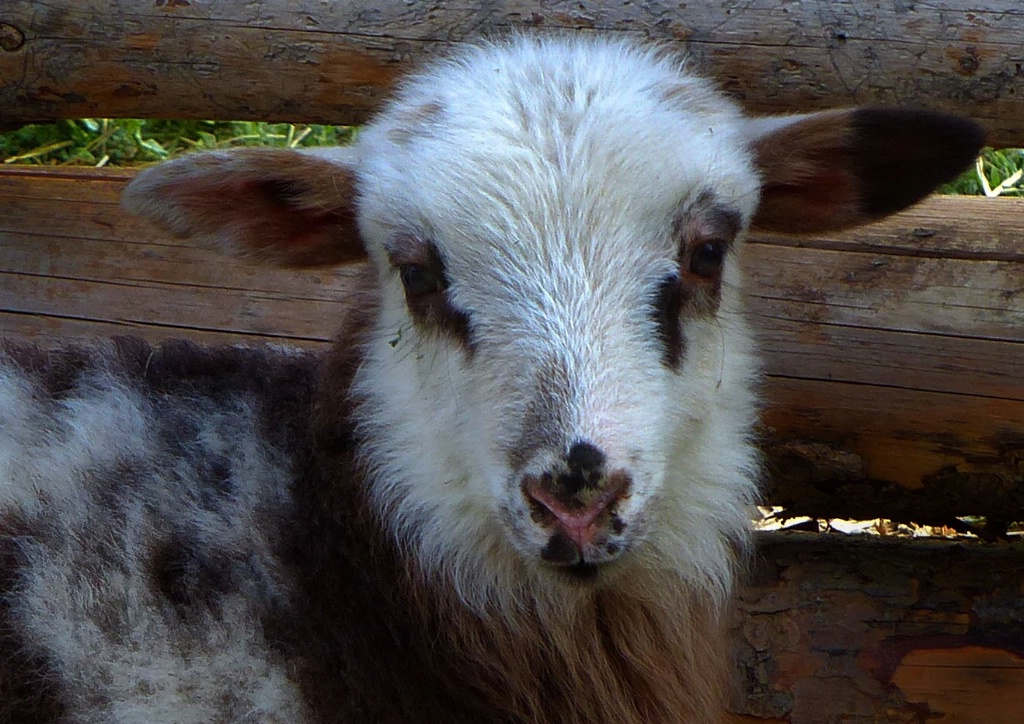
[(838, 169), (286, 207)]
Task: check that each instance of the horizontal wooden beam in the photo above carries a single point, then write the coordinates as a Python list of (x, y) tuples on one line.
[(332, 62), (893, 353)]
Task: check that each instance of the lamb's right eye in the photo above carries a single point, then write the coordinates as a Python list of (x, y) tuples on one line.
[(707, 258), (420, 281)]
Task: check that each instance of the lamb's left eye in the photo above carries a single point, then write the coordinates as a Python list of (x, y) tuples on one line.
[(420, 281), (706, 258)]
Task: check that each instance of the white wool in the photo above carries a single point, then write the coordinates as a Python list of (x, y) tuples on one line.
[(86, 596)]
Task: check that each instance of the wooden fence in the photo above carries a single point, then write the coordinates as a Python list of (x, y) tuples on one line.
[(894, 353), (330, 61)]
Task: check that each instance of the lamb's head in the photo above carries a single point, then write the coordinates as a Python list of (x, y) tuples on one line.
[(558, 385)]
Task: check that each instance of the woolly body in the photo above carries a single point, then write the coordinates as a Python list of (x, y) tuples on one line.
[(516, 490)]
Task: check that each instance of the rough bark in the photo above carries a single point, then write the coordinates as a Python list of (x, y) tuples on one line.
[(310, 60), (840, 629)]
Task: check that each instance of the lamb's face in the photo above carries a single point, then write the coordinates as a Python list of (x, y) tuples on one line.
[(559, 368), (559, 380)]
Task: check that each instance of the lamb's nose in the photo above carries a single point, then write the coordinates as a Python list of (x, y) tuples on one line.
[(580, 523), (574, 500)]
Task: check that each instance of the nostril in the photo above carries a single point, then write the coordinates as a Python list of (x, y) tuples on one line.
[(576, 523), (539, 511)]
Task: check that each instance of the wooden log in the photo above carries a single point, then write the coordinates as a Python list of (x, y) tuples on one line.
[(76, 265), (893, 353), (315, 61), (888, 349), (855, 629)]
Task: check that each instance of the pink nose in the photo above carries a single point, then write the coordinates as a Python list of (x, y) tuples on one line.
[(583, 519)]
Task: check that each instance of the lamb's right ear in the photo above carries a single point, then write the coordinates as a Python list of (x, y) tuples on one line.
[(287, 207)]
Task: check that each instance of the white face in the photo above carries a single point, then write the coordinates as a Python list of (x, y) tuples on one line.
[(561, 327)]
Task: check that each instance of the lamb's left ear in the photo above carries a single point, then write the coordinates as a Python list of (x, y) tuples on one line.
[(836, 169), (287, 207)]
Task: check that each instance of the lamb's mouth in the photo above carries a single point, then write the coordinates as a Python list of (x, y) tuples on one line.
[(582, 572), (580, 563)]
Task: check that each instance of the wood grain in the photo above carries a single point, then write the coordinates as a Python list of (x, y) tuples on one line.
[(840, 629), (968, 685), (315, 61), (899, 346), (903, 344)]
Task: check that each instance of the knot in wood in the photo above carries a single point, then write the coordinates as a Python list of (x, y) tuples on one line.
[(11, 38)]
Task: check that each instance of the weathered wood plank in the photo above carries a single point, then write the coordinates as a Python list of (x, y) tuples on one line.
[(957, 454), (900, 346), (840, 629), (959, 365), (179, 307), (898, 350), (52, 330), (78, 248), (70, 257), (969, 685), (981, 298), (309, 60)]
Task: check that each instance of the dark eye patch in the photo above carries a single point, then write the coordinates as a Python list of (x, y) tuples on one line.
[(704, 235), (420, 281), (668, 305), (425, 281)]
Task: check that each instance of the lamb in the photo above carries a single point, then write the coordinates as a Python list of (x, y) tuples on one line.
[(518, 487)]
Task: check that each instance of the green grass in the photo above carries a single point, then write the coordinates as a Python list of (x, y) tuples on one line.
[(996, 173), (126, 142)]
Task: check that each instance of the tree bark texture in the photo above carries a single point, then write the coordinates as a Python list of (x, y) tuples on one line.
[(855, 630), (332, 60), (893, 353)]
